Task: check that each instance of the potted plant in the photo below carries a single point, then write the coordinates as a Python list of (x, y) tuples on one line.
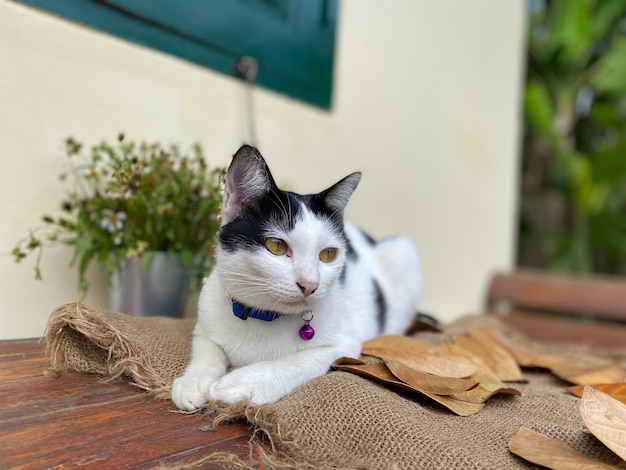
[(147, 213)]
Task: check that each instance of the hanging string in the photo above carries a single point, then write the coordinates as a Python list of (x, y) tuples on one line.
[(247, 68)]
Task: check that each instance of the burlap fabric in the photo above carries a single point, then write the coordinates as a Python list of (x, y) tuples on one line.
[(150, 351), (338, 420)]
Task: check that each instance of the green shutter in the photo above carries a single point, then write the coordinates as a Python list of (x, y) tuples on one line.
[(292, 40)]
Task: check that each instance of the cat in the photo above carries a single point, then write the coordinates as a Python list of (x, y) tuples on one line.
[(293, 289)]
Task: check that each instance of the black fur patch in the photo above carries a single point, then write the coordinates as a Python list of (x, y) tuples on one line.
[(351, 257), (279, 209), (316, 204), (381, 306), (369, 239)]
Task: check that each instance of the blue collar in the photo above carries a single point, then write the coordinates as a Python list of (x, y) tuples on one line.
[(244, 312)]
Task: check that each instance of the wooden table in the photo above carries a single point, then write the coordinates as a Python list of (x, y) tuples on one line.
[(76, 419)]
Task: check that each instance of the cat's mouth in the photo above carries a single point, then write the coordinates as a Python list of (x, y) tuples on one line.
[(297, 306)]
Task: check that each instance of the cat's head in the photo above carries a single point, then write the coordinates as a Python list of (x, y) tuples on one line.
[(279, 250)]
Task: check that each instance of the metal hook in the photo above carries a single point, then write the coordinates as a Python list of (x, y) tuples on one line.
[(247, 68)]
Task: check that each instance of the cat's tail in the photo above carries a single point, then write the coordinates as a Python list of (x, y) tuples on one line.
[(423, 322)]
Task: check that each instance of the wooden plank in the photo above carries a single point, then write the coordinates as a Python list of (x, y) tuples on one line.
[(15, 367), (551, 329), (599, 296), (20, 358), (77, 420), (238, 445), (20, 346), (48, 395), (115, 434)]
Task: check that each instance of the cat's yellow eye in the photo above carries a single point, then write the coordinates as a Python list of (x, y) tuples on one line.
[(328, 254), (276, 246)]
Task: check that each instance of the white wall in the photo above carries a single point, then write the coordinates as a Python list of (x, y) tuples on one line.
[(426, 104)]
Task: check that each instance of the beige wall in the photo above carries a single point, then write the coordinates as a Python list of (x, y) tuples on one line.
[(426, 104)]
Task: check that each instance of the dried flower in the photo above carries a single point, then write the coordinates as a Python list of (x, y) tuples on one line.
[(112, 221), (124, 199), (117, 238)]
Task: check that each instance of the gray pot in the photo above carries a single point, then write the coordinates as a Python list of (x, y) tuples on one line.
[(159, 290)]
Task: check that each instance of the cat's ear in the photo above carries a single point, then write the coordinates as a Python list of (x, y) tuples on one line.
[(337, 196), (248, 178)]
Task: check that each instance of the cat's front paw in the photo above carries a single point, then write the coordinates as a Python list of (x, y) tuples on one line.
[(240, 384), (190, 392)]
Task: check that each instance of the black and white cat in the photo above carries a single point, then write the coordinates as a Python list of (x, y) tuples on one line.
[(293, 289)]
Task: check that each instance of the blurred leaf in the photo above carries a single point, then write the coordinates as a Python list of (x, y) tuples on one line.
[(570, 371), (146, 260), (609, 75), (187, 256), (578, 173), (85, 260), (610, 165), (616, 391), (81, 246), (607, 13), (571, 33), (602, 114), (610, 373), (608, 230), (598, 197), (539, 110)]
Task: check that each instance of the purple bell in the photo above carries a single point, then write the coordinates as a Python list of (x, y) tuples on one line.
[(306, 332)]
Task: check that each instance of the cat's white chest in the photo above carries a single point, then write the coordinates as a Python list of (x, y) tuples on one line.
[(253, 340)]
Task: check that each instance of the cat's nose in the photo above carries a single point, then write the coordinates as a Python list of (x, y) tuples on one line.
[(307, 287)]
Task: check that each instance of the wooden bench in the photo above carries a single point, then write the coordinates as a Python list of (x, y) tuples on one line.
[(589, 311)]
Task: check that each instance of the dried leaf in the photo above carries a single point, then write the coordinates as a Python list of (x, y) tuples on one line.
[(617, 391), (394, 345), (551, 453), (543, 361), (347, 360), (605, 417), (482, 343), (427, 382), (420, 356), (485, 390), (572, 372), (611, 373), (380, 373), (488, 383), (443, 364)]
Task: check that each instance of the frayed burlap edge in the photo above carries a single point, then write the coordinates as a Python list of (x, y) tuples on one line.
[(267, 437), (262, 455), (69, 324), (264, 460)]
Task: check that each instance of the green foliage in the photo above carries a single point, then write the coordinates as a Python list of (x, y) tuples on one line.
[(575, 136), (131, 199)]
